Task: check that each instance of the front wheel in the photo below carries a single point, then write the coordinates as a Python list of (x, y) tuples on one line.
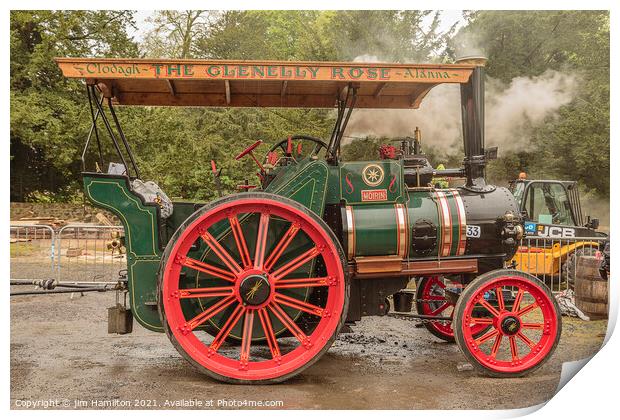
[(524, 320), (262, 257)]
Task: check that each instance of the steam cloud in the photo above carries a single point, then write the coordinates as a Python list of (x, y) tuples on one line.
[(510, 109)]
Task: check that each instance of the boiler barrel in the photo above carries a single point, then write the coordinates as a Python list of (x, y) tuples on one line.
[(440, 223)]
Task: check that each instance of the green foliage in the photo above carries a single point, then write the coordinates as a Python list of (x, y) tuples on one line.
[(573, 145), (50, 117), (48, 114)]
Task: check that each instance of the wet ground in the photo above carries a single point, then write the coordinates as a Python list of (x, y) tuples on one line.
[(61, 355)]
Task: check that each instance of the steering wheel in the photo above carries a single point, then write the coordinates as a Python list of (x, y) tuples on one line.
[(283, 144)]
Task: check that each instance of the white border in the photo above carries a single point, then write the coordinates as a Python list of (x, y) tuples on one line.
[(592, 394)]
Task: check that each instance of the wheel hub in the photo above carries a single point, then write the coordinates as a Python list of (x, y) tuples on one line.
[(254, 290), (510, 325)]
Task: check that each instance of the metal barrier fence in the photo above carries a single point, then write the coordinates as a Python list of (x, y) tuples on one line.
[(32, 251), (554, 260), (95, 250), (73, 253)]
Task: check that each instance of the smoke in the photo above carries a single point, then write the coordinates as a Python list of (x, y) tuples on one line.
[(438, 117), (596, 207), (511, 109), (468, 43), (367, 58), (525, 102)]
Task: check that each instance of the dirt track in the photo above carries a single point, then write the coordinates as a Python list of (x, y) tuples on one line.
[(60, 351)]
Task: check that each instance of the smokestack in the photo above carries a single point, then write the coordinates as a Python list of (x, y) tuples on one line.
[(472, 115)]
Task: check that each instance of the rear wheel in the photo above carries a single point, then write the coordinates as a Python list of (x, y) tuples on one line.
[(255, 287), (524, 320), (432, 300)]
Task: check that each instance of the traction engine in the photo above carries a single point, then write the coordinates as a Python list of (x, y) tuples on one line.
[(255, 286)]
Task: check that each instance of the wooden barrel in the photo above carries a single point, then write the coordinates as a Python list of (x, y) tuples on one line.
[(591, 291)]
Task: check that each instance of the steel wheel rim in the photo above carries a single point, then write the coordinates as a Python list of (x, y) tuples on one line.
[(498, 335), (433, 287), (307, 346)]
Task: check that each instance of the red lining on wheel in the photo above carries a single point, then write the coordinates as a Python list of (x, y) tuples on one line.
[(537, 350), (280, 364)]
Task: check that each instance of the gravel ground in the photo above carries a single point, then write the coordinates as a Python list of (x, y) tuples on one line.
[(61, 353)]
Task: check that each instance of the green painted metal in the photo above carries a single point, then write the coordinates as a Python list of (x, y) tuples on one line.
[(141, 240), (454, 218), (353, 182), (146, 235), (305, 183), (376, 226), (422, 206), (372, 190), (376, 230)]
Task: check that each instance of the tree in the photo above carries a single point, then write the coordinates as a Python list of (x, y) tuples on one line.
[(575, 143), (387, 35), (176, 33), (48, 113)]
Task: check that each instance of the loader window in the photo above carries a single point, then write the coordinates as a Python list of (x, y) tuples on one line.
[(517, 190), (548, 203)]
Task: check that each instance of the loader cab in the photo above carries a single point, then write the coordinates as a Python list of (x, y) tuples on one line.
[(550, 202)]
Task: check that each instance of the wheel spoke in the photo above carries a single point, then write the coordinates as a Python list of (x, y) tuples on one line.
[(500, 298), (213, 310), (296, 263), (221, 252), (289, 235), (436, 298), (440, 309), (526, 340), (487, 336), (261, 241), (265, 321), (514, 351), (489, 307), (439, 283), (288, 322), (496, 344), (533, 326), (208, 269), (240, 241), (226, 328), (482, 321), (205, 292), (246, 338), (298, 283), (517, 302), (298, 304), (527, 309)]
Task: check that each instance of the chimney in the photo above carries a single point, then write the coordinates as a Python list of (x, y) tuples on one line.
[(472, 114)]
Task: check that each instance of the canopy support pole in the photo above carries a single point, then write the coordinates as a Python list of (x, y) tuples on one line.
[(122, 136), (93, 97), (333, 149), (93, 128)]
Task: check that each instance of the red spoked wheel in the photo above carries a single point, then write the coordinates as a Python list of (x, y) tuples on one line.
[(252, 289), (524, 318), (431, 300)]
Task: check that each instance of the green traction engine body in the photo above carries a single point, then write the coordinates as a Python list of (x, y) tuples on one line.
[(389, 230)]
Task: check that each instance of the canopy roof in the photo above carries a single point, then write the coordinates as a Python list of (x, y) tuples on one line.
[(261, 83)]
